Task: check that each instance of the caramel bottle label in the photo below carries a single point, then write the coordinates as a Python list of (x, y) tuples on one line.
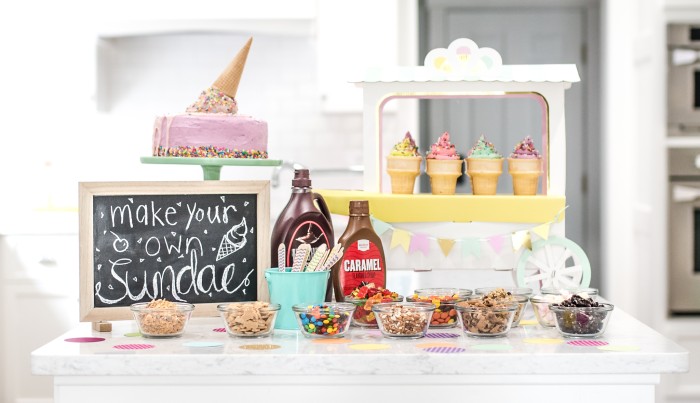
[(362, 262), (308, 232)]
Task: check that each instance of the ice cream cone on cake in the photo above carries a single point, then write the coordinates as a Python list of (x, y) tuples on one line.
[(403, 165), (444, 166), (525, 166), (484, 166)]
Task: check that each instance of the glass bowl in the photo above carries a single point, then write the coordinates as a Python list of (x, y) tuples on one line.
[(249, 319), (567, 292), (326, 320), (363, 315), (513, 290), (582, 321), (403, 319), (540, 304), (444, 299), (161, 319), (486, 321)]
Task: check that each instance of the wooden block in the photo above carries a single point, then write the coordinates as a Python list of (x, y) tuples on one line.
[(102, 326)]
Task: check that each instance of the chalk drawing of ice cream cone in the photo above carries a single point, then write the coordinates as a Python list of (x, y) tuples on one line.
[(233, 240)]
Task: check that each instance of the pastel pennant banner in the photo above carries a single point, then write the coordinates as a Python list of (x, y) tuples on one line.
[(542, 230), (446, 245), (496, 242), (419, 242), (521, 239), (402, 238), (380, 227), (471, 247)]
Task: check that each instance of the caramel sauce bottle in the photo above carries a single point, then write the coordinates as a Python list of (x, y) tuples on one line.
[(305, 220), (363, 257)]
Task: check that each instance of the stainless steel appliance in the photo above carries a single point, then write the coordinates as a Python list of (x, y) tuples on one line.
[(684, 79), (684, 231)]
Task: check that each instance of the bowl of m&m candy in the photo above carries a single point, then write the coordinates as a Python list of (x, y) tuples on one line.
[(331, 319), (445, 315), (364, 297)]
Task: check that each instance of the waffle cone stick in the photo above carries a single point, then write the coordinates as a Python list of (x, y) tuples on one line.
[(231, 76)]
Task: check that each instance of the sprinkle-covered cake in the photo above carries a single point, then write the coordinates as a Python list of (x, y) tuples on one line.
[(212, 127)]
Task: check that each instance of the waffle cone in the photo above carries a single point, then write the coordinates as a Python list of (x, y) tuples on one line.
[(403, 172), (443, 175), (526, 174), (484, 173), (231, 76)]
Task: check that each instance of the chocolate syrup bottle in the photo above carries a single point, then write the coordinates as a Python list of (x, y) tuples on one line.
[(302, 222), (363, 256)]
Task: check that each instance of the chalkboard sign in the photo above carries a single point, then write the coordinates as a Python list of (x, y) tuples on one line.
[(199, 242)]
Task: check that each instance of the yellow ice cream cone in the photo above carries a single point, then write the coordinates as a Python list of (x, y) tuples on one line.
[(403, 172), (526, 174), (484, 173), (230, 78), (443, 175)]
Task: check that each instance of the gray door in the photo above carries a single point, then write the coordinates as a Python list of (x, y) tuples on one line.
[(522, 35)]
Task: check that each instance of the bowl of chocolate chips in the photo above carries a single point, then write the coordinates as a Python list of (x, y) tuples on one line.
[(578, 316)]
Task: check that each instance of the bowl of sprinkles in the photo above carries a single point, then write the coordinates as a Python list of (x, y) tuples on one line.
[(324, 320)]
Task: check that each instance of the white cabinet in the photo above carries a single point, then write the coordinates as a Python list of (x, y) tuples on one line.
[(39, 301)]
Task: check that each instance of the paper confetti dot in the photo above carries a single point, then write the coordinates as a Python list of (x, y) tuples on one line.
[(435, 344), (132, 334), (260, 347), (203, 344), (134, 346), (441, 335), (619, 347), (84, 339), (492, 347), (529, 322), (543, 341), (331, 341), (369, 346), (219, 330), (445, 350), (587, 343)]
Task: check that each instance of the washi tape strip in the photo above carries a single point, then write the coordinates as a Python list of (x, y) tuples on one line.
[(492, 347), (445, 350), (528, 322), (331, 341), (84, 339), (435, 344), (619, 347), (132, 334), (369, 346), (543, 341), (441, 335), (587, 343), (134, 346), (260, 347), (203, 344), (219, 329)]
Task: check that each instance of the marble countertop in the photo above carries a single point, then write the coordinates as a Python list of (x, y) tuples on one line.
[(528, 349)]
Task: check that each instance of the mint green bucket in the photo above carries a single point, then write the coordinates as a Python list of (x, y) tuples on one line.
[(289, 288)]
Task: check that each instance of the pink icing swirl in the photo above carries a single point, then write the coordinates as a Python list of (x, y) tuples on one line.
[(525, 150), (212, 100), (443, 149)]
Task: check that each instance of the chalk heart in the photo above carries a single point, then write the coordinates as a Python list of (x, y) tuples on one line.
[(206, 232), (120, 245), (139, 241), (141, 260), (173, 233), (179, 204), (131, 200), (213, 249), (159, 260)]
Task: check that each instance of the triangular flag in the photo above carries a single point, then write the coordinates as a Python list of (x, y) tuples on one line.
[(520, 239), (446, 245), (496, 243), (400, 237), (471, 246), (380, 227), (419, 242), (542, 230)]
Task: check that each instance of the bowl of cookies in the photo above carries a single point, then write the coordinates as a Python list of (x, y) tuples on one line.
[(249, 319), (403, 319), (161, 318)]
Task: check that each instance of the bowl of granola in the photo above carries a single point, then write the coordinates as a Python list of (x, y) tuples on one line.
[(403, 319), (249, 319), (487, 315), (444, 299), (364, 297), (161, 318)]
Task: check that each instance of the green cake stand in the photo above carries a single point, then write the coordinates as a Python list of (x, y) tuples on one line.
[(212, 166)]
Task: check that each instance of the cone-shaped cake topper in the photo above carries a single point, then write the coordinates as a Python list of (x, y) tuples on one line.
[(231, 76)]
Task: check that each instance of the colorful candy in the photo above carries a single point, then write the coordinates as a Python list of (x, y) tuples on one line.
[(209, 152), (324, 320)]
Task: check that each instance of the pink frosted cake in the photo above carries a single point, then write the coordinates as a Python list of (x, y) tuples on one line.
[(211, 127)]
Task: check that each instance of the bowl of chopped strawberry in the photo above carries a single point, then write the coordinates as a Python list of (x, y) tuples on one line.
[(363, 297)]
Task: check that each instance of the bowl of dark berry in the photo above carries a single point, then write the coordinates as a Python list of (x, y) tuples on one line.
[(577, 316), (364, 297)]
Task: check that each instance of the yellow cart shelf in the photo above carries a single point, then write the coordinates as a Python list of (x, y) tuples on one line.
[(456, 208)]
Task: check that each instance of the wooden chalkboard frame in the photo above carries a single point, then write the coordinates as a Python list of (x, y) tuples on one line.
[(87, 190)]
